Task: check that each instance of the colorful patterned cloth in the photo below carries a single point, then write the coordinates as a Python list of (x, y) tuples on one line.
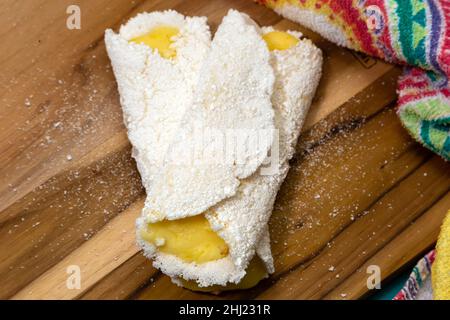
[(417, 278), (408, 32)]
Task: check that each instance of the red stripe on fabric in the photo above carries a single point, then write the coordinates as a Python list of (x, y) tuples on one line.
[(400, 296), (353, 19), (416, 96), (410, 83), (444, 52), (385, 37)]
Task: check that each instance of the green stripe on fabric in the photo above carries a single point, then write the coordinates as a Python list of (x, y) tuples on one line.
[(444, 120), (432, 75), (446, 147), (404, 12), (412, 27), (425, 134), (433, 109), (435, 139), (394, 24), (417, 276), (439, 134)]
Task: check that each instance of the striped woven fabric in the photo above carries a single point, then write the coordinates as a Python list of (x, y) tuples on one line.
[(420, 273), (415, 33)]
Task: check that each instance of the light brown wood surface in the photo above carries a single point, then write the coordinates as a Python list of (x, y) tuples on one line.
[(360, 192)]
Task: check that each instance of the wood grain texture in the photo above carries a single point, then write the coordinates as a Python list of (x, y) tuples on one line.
[(360, 192)]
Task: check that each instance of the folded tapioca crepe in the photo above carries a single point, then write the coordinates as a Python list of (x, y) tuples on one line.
[(205, 218), (156, 85)]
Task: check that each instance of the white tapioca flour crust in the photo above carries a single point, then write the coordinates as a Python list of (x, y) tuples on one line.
[(230, 82)]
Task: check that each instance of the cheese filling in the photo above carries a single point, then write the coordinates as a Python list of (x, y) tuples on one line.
[(161, 39), (279, 40), (192, 239)]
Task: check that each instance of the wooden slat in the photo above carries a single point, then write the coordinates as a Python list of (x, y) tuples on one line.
[(417, 237), (123, 281), (102, 254), (382, 221)]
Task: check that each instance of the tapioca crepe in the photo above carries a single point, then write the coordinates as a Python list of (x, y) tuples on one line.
[(205, 222)]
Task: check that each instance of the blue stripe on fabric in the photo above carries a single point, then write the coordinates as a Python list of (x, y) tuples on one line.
[(436, 21)]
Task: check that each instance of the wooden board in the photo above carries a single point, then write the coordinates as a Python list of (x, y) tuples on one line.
[(360, 192)]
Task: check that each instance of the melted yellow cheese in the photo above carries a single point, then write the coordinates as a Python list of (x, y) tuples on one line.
[(161, 39), (256, 271), (190, 239), (279, 40)]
